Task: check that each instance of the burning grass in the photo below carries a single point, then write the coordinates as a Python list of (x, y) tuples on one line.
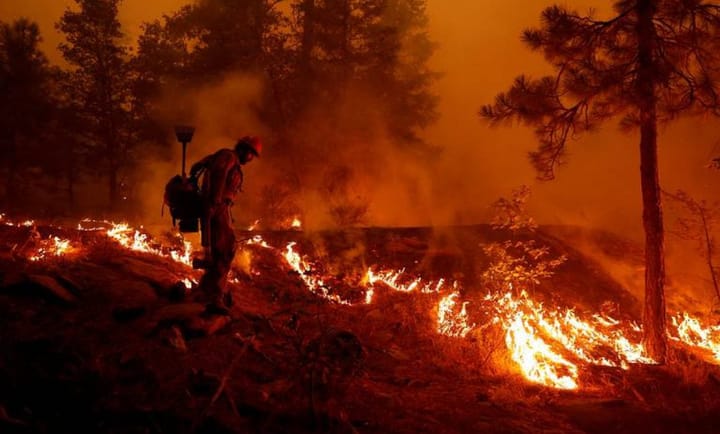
[(548, 345)]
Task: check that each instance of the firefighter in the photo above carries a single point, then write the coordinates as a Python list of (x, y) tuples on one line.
[(222, 178)]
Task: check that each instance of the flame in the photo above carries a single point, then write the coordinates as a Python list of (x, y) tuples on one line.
[(296, 223), (452, 323), (257, 240), (184, 257), (315, 284), (369, 294), (537, 360), (550, 345), (53, 246), (392, 279), (691, 332), (135, 240), (253, 226), (547, 343)]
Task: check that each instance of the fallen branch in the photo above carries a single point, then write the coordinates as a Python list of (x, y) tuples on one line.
[(221, 387)]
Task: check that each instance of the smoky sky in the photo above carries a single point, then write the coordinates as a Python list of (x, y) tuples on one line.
[(479, 52)]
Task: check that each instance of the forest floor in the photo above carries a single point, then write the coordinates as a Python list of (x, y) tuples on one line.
[(107, 340)]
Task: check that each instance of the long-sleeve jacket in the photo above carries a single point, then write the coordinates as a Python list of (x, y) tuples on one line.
[(222, 177)]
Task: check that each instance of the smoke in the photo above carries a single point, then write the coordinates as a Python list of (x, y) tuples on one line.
[(479, 53), (222, 112)]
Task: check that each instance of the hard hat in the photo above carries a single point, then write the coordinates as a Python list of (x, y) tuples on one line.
[(251, 144)]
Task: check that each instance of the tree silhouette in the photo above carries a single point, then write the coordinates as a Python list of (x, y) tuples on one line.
[(25, 105), (100, 82), (651, 62), (336, 74)]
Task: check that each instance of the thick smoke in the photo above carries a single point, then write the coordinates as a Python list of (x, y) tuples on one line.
[(479, 53)]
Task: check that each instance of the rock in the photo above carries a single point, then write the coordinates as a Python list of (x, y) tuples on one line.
[(178, 312), (175, 339), (179, 291), (123, 314), (136, 292), (49, 286), (12, 278), (206, 325)]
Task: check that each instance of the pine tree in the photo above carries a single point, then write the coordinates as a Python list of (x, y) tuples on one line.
[(25, 106), (100, 82), (651, 62)]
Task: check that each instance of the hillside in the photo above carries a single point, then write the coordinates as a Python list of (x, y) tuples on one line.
[(101, 336)]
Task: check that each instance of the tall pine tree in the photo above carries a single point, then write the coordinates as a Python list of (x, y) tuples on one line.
[(651, 62), (25, 106), (100, 82)]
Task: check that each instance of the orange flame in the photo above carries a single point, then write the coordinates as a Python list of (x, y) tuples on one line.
[(135, 240), (393, 279), (315, 284), (451, 322), (253, 226), (549, 345), (53, 246), (691, 332)]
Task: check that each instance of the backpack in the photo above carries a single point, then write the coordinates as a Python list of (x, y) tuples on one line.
[(182, 197)]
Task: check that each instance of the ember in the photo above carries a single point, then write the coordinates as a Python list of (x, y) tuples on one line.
[(53, 247)]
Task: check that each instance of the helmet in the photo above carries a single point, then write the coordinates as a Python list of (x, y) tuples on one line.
[(250, 144)]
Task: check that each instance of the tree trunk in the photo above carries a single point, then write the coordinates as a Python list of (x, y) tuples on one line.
[(11, 188), (308, 35), (306, 73), (112, 187), (654, 339), (709, 251), (70, 181)]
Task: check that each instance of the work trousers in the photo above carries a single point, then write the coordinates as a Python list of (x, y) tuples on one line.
[(221, 240)]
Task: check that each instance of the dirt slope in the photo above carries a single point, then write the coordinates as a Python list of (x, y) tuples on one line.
[(107, 341)]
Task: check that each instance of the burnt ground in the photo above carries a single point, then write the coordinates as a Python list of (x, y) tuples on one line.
[(107, 342)]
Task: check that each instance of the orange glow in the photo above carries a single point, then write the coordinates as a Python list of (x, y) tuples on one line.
[(137, 241), (53, 247), (257, 240), (315, 284), (691, 332), (453, 322), (549, 345), (393, 279), (253, 226)]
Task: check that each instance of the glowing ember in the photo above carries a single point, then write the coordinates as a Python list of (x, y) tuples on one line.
[(257, 240), (53, 247), (451, 322), (692, 333), (184, 257), (369, 294), (296, 223), (253, 226), (85, 225)]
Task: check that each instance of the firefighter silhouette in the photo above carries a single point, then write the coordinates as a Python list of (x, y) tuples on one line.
[(222, 179)]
